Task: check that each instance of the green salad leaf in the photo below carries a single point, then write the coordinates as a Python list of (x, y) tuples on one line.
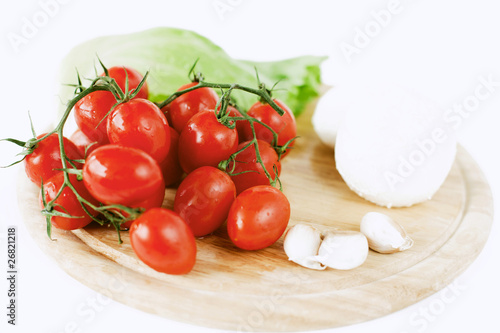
[(169, 53)]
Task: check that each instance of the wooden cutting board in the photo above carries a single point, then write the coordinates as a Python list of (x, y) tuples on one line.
[(261, 290)]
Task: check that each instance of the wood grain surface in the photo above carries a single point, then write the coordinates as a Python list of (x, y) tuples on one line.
[(261, 290)]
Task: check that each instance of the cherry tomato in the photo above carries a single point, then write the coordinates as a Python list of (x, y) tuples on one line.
[(284, 125), (90, 113), (203, 199), (120, 75), (205, 141), (116, 174), (163, 241), (258, 217), (68, 203), (83, 143), (45, 161), (187, 105), (139, 123), (250, 171), (170, 167)]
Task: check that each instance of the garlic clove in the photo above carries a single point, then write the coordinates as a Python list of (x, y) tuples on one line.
[(301, 245), (384, 234), (343, 250)]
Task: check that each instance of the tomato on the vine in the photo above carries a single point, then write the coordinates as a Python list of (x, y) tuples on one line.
[(121, 74), (139, 123), (68, 203), (248, 172), (284, 125), (163, 241), (181, 109), (90, 113), (170, 166), (258, 217), (83, 143), (116, 174), (45, 160), (203, 199), (205, 141)]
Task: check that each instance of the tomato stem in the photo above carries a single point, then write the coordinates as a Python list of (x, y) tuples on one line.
[(261, 92)]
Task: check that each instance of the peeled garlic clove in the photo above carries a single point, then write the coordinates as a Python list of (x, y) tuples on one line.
[(383, 234), (301, 246), (343, 249)]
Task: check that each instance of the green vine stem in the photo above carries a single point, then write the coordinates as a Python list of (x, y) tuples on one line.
[(262, 92)]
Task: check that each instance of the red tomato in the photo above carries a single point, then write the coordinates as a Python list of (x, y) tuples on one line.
[(205, 141), (247, 161), (187, 105), (90, 112), (139, 123), (116, 174), (68, 203), (203, 199), (258, 217), (170, 167), (82, 142), (45, 160), (134, 78), (163, 241), (284, 125)]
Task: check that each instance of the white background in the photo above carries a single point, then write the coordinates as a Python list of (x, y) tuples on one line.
[(441, 48)]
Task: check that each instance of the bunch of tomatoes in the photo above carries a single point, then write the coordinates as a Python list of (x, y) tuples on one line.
[(224, 161)]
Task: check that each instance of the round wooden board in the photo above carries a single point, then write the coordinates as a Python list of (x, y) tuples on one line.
[(261, 290)]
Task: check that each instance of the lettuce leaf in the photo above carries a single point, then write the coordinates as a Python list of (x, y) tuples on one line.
[(169, 53)]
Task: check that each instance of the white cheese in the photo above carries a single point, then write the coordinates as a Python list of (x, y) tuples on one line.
[(393, 147)]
